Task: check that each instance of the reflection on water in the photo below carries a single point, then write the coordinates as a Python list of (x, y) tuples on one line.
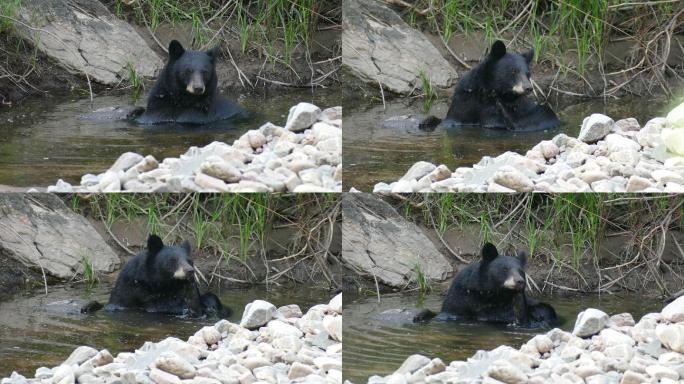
[(373, 154), (379, 347), (43, 140), (32, 337)]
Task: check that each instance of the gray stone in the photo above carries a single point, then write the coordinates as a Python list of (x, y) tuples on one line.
[(377, 242), (258, 313), (378, 46), (589, 322), (42, 232), (302, 116), (595, 128), (73, 35)]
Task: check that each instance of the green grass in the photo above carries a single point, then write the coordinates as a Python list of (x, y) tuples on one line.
[(89, 276), (429, 93), (552, 26), (135, 81), (260, 24), (567, 228), (421, 280), (8, 8)]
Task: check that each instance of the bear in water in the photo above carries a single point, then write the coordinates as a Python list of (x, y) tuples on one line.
[(494, 95), (162, 279), (493, 290), (186, 91)]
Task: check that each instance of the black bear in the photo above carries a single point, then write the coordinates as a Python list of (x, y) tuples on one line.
[(162, 279), (494, 95), (493, 290), (186, 91)]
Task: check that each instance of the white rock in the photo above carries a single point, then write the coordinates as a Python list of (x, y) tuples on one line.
[(674, 312), (672, 336), (126, 161), (638, 183), (401, 186), (506, 372), (258, 313), (277, 329), (218, 168), (627, 125), (510, 177), (61, 187), (291, 310), (210, 183), (302, 116), (418, 170), (80, 355), (333, 324), (665, 176), (589, 322), (412, 364), (160, 377), (595, 128), (615, 143), (298, 370), (172, 363), (335, 303)]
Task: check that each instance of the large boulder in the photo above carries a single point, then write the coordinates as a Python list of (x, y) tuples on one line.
[(40, 231), (377, 242), (84, 37), (378, 46)]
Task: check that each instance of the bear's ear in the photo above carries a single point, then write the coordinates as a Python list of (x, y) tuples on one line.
[(154, 244), (176, 50), (489, 252), (214, 53), (186, 245), (498, 50), (529, 55), (522, 256)]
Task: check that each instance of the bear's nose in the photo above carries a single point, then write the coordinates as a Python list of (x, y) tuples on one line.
[(519, 284), (198, 90), (528, 89)]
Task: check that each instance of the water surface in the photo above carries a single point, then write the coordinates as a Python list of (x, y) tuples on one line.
[(378, 347), (43, 139), (32, 337), (373, 154)]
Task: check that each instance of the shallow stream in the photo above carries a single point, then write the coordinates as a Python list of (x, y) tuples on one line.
[(373, 153), (32, 336), (43, 139), (380, 347)]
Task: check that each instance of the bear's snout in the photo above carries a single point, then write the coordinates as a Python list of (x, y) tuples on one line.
[(196, 85), (183, 272), (515, 282)]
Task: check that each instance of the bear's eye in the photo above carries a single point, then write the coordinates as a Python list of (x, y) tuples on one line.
[(515, 71), (506, 269)]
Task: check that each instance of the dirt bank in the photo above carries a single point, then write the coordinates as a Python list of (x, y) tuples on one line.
[(619, 261), (299, 245), (27, 72)]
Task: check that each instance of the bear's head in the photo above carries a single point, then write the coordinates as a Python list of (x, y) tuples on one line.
[(502, 272), (169, 262), (508, 73), (194, 72)]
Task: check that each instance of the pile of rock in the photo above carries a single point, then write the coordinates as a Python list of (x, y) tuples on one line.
[(304, 156), (269, 346), (600, 349), (607, 156)]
